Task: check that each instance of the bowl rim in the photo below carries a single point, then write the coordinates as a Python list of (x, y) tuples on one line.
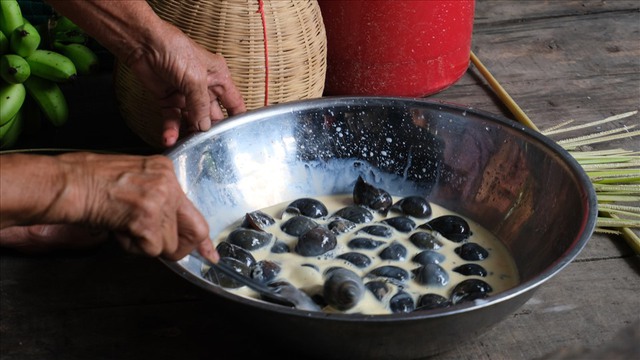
[(586, 227)]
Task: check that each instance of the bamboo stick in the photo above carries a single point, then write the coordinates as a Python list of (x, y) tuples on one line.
[(517, 112)]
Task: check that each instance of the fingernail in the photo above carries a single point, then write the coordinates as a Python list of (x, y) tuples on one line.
[(208, 251), (214, 256), (168, 141)]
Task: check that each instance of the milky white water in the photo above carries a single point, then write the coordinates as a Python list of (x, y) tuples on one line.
[(502, 272)]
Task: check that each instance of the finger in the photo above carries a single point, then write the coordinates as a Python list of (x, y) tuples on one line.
[(230, 97), (216, 112), (170, 240), (206, 249), (127, 243), (171, 118), (192, 230), (198, 103)]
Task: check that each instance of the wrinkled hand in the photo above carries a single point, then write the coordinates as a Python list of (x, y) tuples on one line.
[(76, 199), (140, 200), (189, 82)]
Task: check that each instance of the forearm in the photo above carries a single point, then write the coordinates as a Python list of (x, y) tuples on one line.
[(35, 189), (120, 26)]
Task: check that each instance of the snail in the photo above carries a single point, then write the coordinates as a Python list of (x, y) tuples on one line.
[(343, 288), (374, 198)]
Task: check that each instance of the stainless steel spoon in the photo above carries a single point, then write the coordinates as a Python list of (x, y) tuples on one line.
[(285, 294)]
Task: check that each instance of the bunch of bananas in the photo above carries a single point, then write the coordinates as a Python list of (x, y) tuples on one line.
[(33, 61)]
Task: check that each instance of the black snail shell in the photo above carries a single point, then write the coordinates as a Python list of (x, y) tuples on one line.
[(249, 239), (257, 220), (298, 225), (416, 206), (343, 288), (316, 241), (391, 272), (471, 252), (376, 230), (289, 291), (469, 290), (452, 227), (355, 258), (280, 247), (364, 243), (265, 271), (380, 289), (425, 240), (370, 196), (400, 223), (401, 302), (341, 226), (226, 249), (223, 280), (470, 269), (428, 257), (395, 251), (431, 275), (432, 301), (308, 207), (355, 213)]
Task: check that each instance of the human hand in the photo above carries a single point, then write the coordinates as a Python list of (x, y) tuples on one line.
[(67, 200), (75, 200), (140, 200), (189, 82)]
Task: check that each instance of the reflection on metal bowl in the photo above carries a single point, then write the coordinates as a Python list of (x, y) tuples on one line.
[(516, 183)]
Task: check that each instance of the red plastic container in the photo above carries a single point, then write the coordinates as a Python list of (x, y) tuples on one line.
[(394, 47)]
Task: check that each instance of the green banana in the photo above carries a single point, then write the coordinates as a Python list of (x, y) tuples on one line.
[(24, 40), (71, 36), (10, 132), (63, 24), (4, 43), (10, 16), (85, 60), (52, 66), (11, 100), (5, 128), (50, 99), (14, 69)]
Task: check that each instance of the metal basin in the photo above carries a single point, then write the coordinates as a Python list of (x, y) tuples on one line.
[(518, 184)]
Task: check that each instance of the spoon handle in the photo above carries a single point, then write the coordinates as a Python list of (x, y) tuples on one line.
[(284, 294), (230, 272)]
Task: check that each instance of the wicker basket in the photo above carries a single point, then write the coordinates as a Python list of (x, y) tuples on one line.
[(294, 69)]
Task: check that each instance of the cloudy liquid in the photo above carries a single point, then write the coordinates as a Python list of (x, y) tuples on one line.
[(501, 270)]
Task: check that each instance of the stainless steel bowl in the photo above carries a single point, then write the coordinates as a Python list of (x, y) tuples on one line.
[(515, 182)]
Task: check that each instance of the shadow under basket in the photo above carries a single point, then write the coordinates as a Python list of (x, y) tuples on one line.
[(275, 50)]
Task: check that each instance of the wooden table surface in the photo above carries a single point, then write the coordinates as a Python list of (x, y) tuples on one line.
[(559, 60)]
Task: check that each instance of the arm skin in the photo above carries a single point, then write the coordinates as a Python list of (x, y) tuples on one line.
[(138, 198), (187, 80)]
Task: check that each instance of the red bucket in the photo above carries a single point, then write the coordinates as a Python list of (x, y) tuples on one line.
[(396, 48)]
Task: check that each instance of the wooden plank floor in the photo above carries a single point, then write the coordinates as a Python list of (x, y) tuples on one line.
[(558, 59)]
